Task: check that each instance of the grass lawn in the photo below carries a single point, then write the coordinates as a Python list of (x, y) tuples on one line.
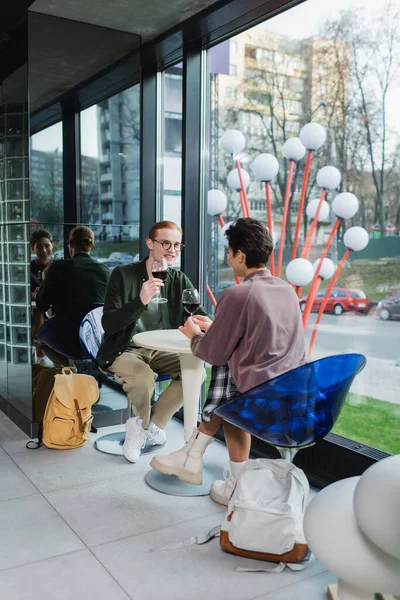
[(372, 422)]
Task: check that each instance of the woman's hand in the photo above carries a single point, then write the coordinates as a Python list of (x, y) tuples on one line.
[(35, 293), (190, 328), (203, 322)]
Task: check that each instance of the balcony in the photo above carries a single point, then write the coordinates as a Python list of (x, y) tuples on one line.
[(105, 158), (106, 177), (107, 217), (107, 196)]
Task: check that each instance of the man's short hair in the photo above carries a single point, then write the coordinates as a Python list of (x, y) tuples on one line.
[(163, 225), (253, 239), (38, 234)]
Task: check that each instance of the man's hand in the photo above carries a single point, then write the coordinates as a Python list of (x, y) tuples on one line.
[(149, 289), (35, 293), (203, 322), (190, 328)]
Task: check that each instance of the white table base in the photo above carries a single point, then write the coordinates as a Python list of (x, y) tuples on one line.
[(192, 373), (172, 486)]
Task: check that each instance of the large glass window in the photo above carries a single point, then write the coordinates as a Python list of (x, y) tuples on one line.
[(171, 149), (320, 65), (110, 176)]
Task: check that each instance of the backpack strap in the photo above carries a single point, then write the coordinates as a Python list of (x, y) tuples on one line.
[(79, 414), (200, 539)]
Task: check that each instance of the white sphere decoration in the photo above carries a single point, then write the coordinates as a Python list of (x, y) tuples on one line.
[(356, 238), (312, 209), (377, 502), (332, 533), (313, 136), (327, 268), (293, 149), (299, 272), (216, 202), (345, 205), (233, 141), (265, 167), (223, 231), (233, 180), (328, 178)]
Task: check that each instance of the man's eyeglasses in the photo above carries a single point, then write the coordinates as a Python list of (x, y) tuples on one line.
[(168, 245)]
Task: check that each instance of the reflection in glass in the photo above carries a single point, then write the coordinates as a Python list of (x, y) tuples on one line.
[(46, 176), (110, 171)]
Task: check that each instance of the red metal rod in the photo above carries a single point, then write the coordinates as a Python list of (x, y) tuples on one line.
[(285, 216), (221, 221), (310, 234), (325, 300), (269, 222), (301, 204), (324, 252), (243, 203), (211, 296), (246, 211), (326, 248), (310, 300)]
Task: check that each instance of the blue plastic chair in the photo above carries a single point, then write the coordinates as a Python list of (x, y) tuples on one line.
[(91, 335), (296, 409)]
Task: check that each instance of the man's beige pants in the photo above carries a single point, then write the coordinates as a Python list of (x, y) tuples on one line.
[(138, 368)]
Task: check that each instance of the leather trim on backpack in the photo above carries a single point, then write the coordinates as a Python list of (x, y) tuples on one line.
[(298, 553)]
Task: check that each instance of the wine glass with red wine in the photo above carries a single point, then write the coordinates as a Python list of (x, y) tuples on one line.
[(190, 301), (159, 270)]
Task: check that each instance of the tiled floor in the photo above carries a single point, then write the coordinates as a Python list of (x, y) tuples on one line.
[(80, 524)]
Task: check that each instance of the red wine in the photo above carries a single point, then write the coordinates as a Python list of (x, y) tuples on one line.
[(160, 275), (191, 307)]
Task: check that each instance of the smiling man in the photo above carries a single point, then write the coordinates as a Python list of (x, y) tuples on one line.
[(128, 310)]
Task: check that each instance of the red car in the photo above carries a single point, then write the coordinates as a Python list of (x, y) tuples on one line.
[(340, 300)]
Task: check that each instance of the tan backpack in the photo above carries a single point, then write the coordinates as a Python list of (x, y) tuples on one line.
[(68, 415)]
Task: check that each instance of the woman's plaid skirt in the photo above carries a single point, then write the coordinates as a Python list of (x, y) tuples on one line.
[(221, 389)]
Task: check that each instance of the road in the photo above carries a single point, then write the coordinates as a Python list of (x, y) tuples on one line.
[(358, 333)]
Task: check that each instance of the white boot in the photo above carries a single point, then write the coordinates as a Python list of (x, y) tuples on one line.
[(186, 463), (221, 490)]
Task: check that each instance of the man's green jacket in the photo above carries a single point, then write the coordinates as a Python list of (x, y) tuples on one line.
[(123, 307)]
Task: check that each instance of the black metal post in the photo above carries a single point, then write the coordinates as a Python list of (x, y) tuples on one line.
[(71, 167)]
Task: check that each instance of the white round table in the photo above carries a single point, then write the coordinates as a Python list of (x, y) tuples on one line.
[(192, 369), (172, 340)]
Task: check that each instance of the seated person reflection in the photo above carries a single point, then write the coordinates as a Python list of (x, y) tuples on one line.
[(42, 245), (72, 288), (257, 334), (132, 305)]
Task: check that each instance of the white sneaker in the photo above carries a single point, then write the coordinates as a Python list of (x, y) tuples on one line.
[(45, 362), (135, 439), (156, 435)]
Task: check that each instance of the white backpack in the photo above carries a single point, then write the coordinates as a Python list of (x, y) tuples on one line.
[(265, 513), (265, 517)]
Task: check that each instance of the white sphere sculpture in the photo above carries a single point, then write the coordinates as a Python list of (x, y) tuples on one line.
[(313, 136), (328, 178), (216, 202), (233, 180), (334, 537), (312, 209), (299, 272), (265, 167), (327, 268), (293, 149), (233, 141), (223, 232), (377, 502), (356, 238), (345, 205)]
